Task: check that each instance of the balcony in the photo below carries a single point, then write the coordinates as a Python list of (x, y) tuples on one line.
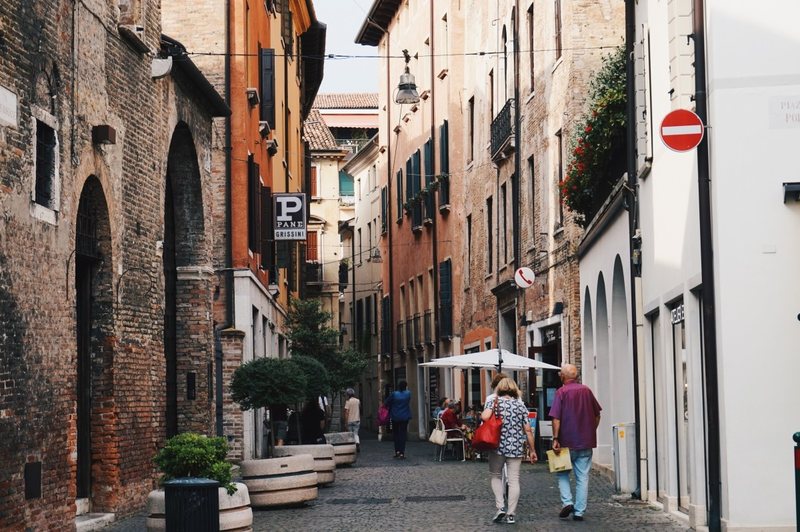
[(428, 326), (503, 140), (410, 333)]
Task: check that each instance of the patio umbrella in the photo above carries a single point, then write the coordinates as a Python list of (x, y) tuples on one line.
[(493, 358)]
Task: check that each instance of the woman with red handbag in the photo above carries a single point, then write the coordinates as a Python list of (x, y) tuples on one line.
[(514, 430)]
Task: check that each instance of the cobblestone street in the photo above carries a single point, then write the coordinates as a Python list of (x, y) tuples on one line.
[(382, 493)]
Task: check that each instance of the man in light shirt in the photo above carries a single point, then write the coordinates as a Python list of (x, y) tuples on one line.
[(352, 415)]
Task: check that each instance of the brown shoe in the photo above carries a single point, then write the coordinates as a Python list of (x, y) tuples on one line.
[(565, 511)]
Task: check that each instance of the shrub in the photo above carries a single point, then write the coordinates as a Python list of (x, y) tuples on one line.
[(195, 455)]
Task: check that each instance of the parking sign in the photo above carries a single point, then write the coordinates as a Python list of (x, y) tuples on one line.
[(290, 216)]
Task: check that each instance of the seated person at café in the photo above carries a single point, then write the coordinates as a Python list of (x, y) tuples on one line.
[(450, 417), (439, 410)]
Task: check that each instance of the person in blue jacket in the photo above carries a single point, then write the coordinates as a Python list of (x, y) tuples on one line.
[(398, 402)]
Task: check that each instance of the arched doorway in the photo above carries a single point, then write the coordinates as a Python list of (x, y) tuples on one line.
[(94, 325), (188, 288)]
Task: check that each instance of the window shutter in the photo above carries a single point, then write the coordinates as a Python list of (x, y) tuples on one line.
[(253, 200), (267, 59), (409, 179), (399, 195), (445, 299), (444, 164), (267, 231), (311, 246), (429, 178), (386, 326), (384, 208), (416, 171), (313, 185)]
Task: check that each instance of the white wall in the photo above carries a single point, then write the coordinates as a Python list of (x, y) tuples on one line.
[(608, 360), (754, 73)]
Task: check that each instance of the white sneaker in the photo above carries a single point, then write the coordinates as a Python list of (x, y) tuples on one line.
[(498, 517), (510, 519)]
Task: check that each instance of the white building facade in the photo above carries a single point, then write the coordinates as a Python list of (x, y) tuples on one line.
[(752, 129)]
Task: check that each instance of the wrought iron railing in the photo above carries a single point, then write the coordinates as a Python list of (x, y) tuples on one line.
[(503, 131)]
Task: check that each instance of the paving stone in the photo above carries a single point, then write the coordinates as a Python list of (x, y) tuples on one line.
[(383, 493)]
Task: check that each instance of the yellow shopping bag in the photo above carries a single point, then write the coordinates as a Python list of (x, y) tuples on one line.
[(559, 462)]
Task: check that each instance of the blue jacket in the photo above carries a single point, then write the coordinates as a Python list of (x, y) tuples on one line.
[(399, 405)]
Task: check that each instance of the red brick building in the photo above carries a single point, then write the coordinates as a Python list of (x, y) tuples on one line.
[(106, 271)]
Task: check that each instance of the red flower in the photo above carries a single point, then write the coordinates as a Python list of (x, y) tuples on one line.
[(588, 129)]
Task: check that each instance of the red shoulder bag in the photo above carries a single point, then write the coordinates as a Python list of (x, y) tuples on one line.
[(487, 436)]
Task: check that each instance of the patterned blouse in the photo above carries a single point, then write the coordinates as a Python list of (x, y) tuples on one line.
[(512, 435)]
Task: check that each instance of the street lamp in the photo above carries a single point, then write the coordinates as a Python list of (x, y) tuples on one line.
[(407, 89)]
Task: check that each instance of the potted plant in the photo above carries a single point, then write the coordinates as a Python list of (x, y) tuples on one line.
[(195, 455)]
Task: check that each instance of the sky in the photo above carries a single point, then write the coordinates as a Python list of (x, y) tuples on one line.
[(344, 19)]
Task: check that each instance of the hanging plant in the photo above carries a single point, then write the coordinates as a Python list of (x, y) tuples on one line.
[(597, 152)]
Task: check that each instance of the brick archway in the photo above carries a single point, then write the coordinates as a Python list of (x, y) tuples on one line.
[(96, 428), (188, 292)]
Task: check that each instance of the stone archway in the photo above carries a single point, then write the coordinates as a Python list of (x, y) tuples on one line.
[(622, 396), (602, 349), (188, 291), (94, 320)]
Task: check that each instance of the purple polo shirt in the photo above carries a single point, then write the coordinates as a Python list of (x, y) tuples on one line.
[(577, 409)]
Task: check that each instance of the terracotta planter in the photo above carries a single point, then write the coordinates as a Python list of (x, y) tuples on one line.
[(281, 481), (344, 447), (324, 463), (235, 513)]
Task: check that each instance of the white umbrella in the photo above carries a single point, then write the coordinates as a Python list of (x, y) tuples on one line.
[(494, 358)]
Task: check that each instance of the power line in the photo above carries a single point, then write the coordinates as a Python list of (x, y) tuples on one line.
[(479, 53)]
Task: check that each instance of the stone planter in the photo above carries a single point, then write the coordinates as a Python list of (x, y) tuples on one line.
[(235, 513), (344, 447), (324, 463), (280, 481)]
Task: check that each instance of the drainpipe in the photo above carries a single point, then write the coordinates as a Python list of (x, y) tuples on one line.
[(435, 214), (229, 316), (707, 275), (515, 195), (389, 198), (633, 224)]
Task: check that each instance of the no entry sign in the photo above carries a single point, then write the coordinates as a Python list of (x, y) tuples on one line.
[(681, 130)]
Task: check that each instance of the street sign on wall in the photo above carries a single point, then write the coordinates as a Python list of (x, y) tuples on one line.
[(681, 130), (290, 216)]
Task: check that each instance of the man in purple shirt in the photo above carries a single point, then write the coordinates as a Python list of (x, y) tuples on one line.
[(576, 415)]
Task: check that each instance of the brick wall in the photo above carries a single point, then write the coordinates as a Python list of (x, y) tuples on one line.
[(110, 84), (232, 357)]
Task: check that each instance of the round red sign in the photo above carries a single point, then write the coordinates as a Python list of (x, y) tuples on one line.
[(681, 130)]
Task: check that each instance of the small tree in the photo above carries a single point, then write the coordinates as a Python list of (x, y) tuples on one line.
[(350, 368), (317, 377), (268, 381), (309, 331), (194, 455)]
